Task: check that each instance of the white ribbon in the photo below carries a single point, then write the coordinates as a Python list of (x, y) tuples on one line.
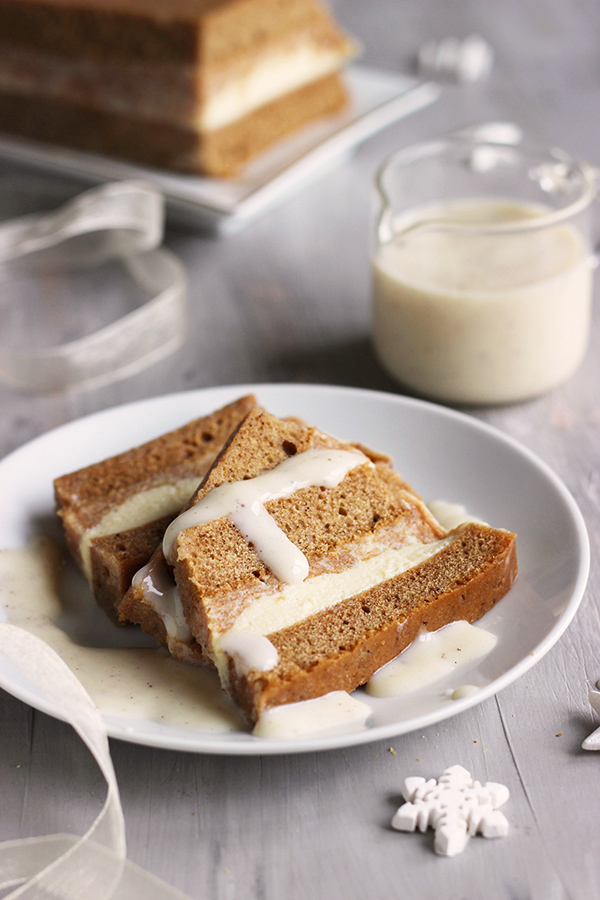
[(123, 221), (64, 866)]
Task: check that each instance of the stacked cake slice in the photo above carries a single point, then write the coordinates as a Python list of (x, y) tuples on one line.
[(303, 564)]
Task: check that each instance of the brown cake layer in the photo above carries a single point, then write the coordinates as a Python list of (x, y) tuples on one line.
[(183, 31), (137, 609), (226, 150), (115, 559), (160, 145)]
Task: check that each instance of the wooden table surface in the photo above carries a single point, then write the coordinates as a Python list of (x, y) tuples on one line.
[(287, 300)]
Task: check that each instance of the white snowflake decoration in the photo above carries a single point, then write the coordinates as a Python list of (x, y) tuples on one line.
[(456, 806), (593, 741)]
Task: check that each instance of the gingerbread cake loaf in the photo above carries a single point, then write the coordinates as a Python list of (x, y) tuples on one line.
[(114, 512), (303, 564), (198, 86)]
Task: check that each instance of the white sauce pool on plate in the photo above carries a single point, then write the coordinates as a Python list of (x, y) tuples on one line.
[(134, 682), (145, 684), (432, 657), (450, 515), (335, 713)]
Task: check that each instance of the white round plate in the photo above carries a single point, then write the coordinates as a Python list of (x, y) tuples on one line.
[(444, 454)]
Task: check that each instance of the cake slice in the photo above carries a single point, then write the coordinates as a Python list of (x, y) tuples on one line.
[(114, 512), (303, 564)]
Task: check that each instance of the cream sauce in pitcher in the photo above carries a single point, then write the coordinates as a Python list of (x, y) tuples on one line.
[(483, 313)]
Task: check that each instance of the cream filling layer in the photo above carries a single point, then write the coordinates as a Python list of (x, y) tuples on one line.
[(272, 77), (295, 603), (141, 508)]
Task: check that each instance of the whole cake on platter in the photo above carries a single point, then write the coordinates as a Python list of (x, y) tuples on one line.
[(197, 86)]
